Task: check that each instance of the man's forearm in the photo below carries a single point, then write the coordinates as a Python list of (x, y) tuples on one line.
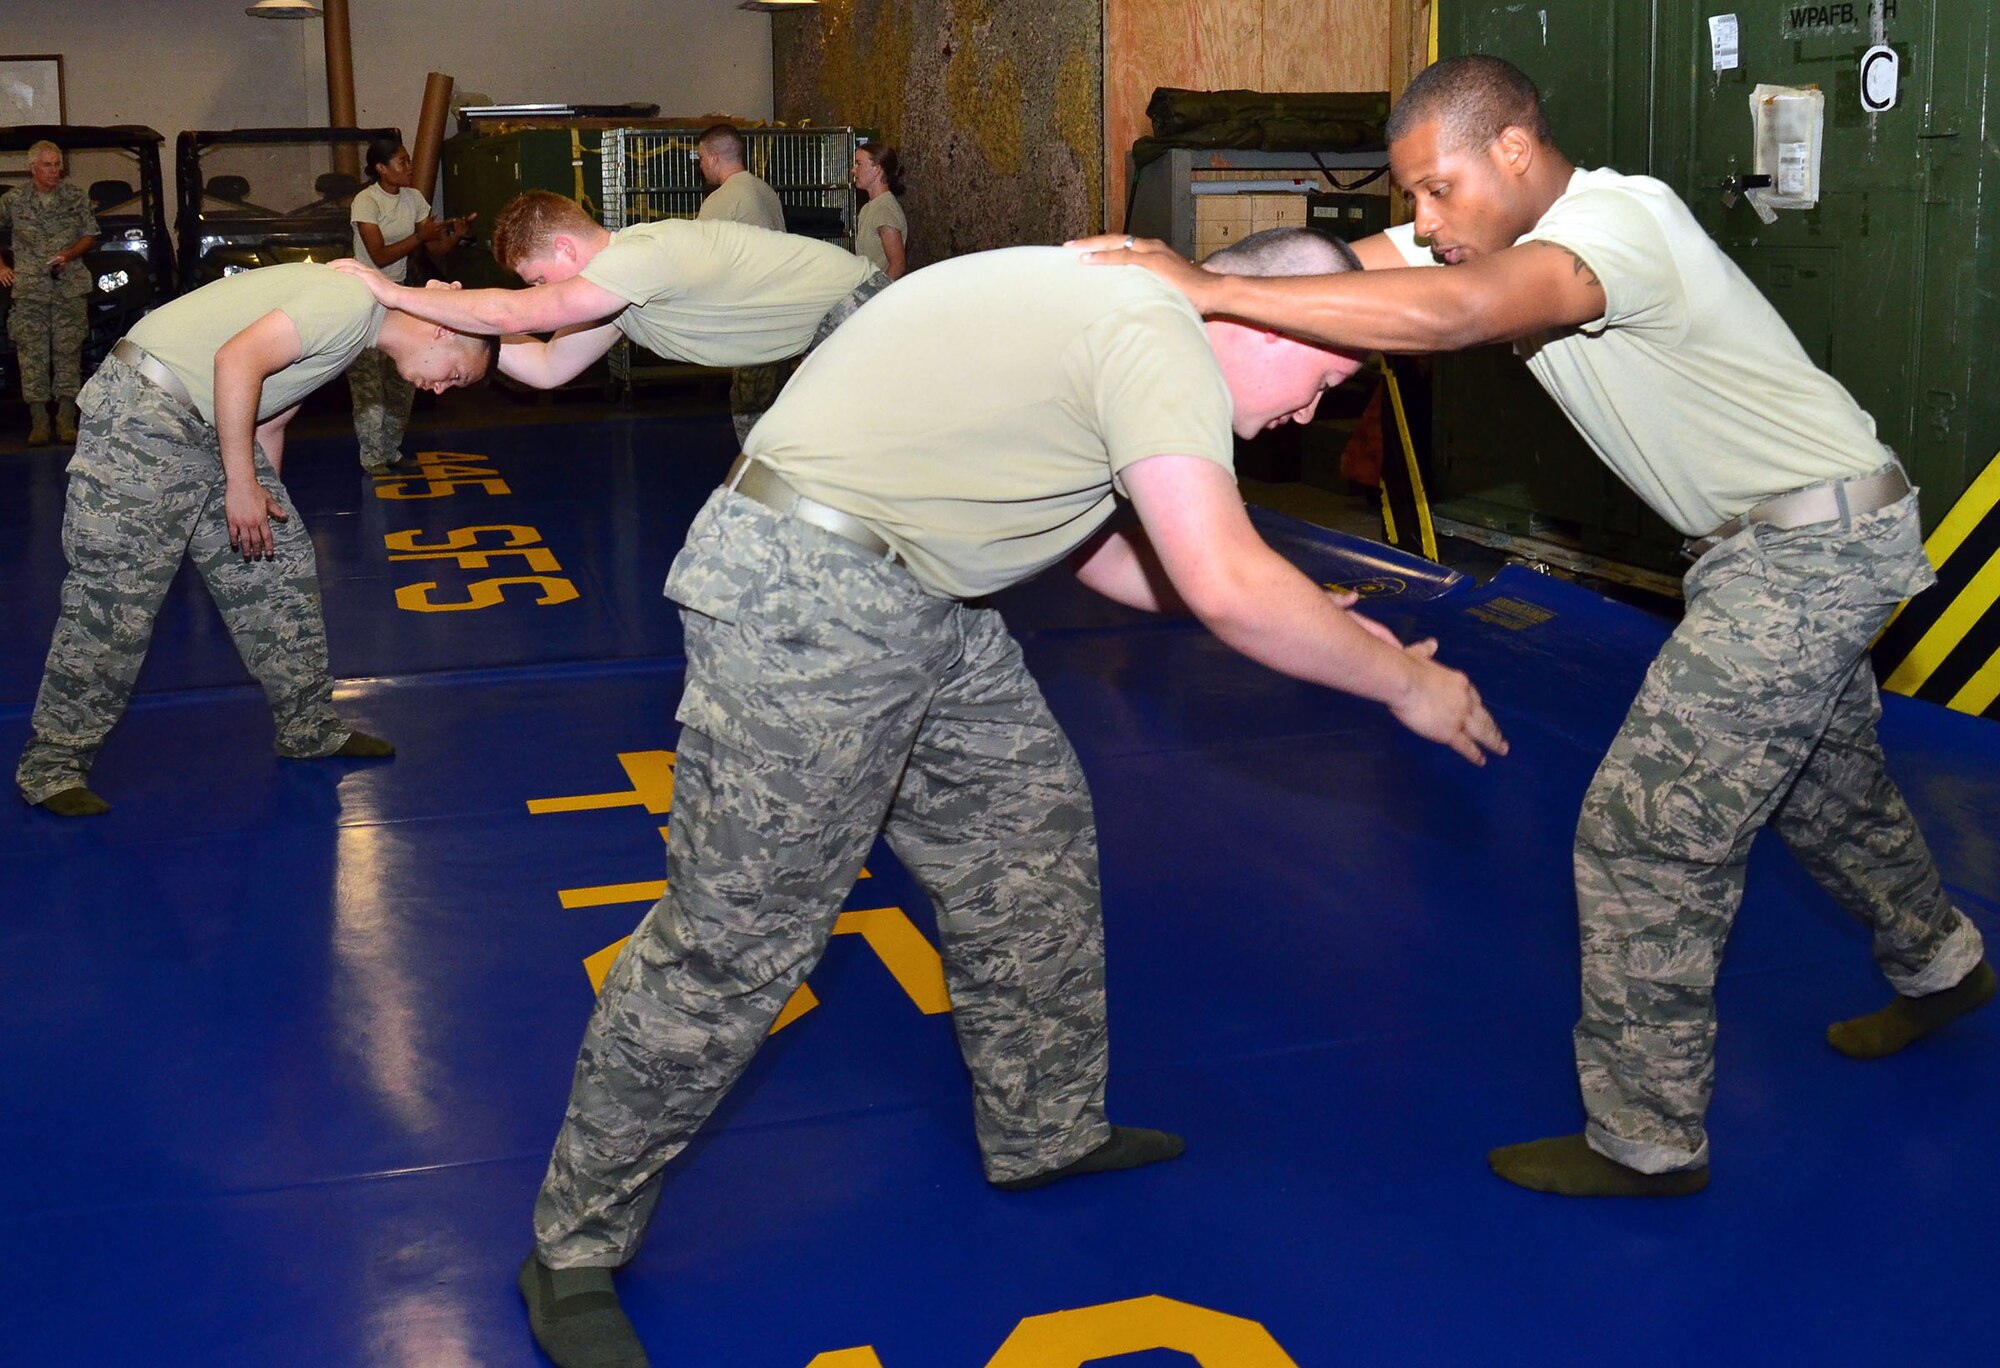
[(558, 361), (1392, 311), (489, 313), (236, 431), (1276, 616)]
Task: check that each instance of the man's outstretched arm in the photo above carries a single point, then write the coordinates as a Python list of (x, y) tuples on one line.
[(494, 313), (559, 360), (1512, 294), (1258, 603), (1121, 564)]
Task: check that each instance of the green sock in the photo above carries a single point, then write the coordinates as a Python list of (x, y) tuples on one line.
[(1128, 1147), (1568, 1166), (75, 802), (1909, 1019), (362, 746), (576, 1318)]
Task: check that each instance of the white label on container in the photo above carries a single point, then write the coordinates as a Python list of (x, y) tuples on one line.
[(1722, 43), (1793, 160)]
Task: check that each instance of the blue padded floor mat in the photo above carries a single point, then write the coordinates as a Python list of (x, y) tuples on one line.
[(287, 1041)]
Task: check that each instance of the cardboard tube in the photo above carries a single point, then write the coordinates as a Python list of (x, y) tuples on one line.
[(340, 84), (430, 132)]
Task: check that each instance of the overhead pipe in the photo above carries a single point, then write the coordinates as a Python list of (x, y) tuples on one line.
[(340, 85)]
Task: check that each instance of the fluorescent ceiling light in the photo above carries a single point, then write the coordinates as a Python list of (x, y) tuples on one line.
[(283, 9)]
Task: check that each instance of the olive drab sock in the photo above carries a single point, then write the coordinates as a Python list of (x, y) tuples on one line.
[(1128, 1147), (362, 746), (576, 1317), (1567, 1166), (38, 424), (66, 421), (74, 802), (1909, 1019)]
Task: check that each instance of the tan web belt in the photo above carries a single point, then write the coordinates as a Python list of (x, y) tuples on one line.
[(1814, 504), (755, 480), (153, 371)]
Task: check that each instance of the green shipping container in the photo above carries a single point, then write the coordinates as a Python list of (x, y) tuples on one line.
[(483, 171), (1892, 282)]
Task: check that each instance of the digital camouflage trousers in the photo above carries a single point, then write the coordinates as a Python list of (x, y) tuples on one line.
[(48, 336), (145, 492), (1761, 708), (382, 399), (829, 698)]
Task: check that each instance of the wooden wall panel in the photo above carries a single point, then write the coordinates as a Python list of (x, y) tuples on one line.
[(1197, 44), (1326, 45), (1251, 44)]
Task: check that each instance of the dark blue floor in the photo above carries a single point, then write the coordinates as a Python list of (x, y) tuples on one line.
[(287, 1041)]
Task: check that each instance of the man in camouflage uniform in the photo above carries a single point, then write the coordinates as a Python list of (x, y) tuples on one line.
[(182, 444), (716, 293), (845, 677), (1761, 708), (50, 316)]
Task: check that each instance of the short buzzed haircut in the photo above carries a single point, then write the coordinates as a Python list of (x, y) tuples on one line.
[(722, 140), (526, 228), (1472, 99), (1284, 252), (489, 355)]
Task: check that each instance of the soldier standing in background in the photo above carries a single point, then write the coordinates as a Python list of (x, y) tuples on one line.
[(392, 222), (881, 229), (53, 228), (739, 195)]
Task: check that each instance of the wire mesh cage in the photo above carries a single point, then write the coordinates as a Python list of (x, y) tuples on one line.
[(652, 174)]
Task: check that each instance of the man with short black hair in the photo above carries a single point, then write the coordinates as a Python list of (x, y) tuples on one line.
[(737, 194), (845, 677), (741, 196), (1761, 707)]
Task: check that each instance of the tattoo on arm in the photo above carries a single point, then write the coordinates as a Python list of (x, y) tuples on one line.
[(1588, 276)]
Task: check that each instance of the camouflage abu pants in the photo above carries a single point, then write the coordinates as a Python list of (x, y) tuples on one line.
[(382, 400), (828, 698), (145, 491), (753, 389), (1760, 708), (48, 336)]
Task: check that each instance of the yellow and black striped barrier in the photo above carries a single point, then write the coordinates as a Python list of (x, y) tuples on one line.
[(1943, 646)]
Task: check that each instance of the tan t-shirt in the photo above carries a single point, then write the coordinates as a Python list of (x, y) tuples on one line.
[(336, 316), (743, 198), (881, 212), (979, 414), (722, 294), (395, 216), (1691, 387)]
